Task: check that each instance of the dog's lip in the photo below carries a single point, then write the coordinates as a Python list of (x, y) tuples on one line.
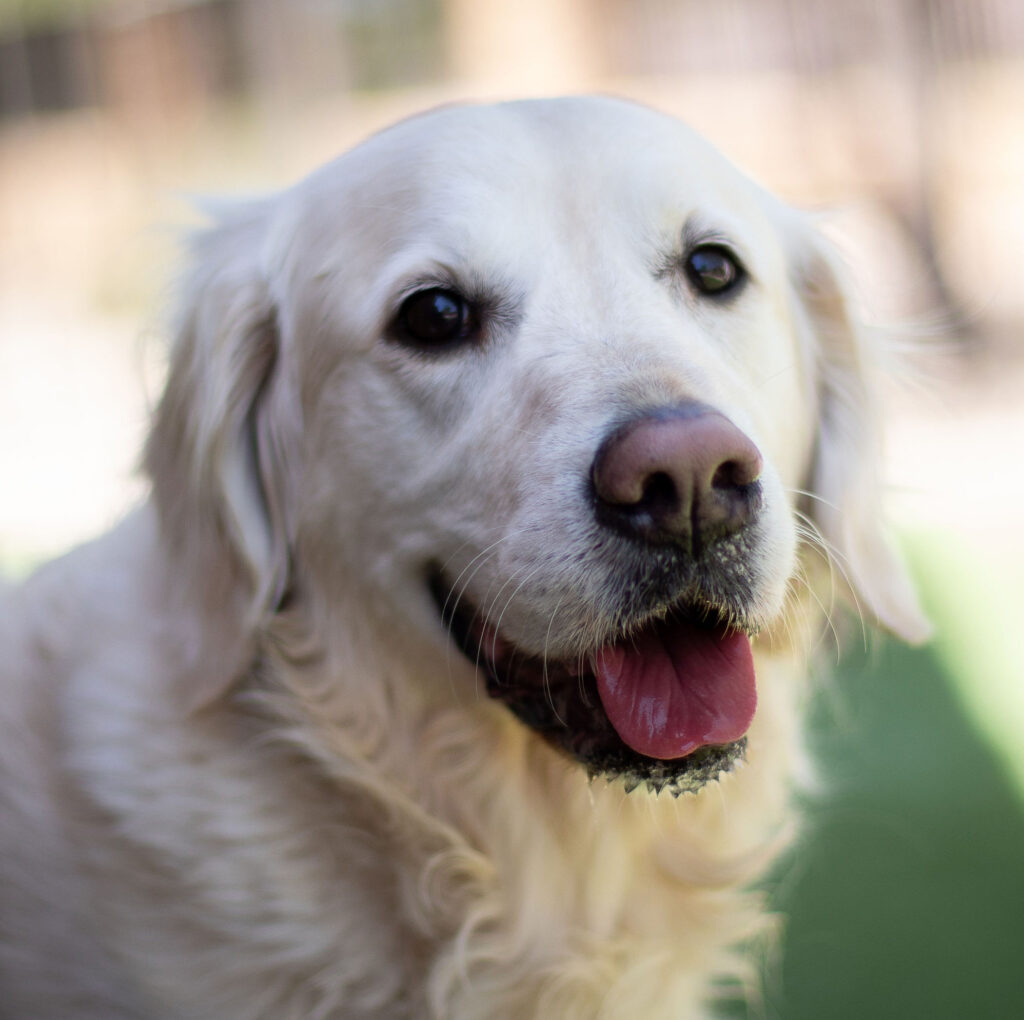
[(567, 702)]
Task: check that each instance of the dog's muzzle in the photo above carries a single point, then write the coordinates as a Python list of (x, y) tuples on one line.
[(668, 697)]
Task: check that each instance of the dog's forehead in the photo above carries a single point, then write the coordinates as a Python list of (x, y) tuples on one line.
[(535, 163)]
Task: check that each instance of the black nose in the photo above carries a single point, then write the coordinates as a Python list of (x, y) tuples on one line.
[(683, 475)]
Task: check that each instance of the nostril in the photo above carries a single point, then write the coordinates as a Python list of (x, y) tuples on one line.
[(660, 493), (736, 474), (725, 476)]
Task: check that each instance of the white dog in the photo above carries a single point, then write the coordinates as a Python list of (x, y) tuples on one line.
[(494, 465)]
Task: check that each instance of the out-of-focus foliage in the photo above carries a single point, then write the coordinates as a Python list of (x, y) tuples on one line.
[(27, 15)]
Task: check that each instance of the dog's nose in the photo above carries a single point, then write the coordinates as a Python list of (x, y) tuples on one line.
[(683, 474)]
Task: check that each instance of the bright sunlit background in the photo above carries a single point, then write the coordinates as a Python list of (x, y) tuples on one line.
[(905, 118)]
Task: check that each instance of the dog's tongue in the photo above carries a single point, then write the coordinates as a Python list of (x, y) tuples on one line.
[(676, 687)]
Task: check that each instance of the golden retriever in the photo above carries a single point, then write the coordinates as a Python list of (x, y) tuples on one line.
[(495, 462)]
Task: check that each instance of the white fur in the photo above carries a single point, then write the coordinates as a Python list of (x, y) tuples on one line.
[(244, 771)]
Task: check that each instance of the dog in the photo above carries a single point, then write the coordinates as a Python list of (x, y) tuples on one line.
[(505, 472)]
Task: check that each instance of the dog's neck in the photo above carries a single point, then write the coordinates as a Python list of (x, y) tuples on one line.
[(514, 852)]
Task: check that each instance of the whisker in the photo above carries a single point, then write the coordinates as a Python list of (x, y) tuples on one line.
[(508, 601), (581, 668), (459, 587), (481, 557), (544, 661), (827, 611), (811, 534), (813, 495)]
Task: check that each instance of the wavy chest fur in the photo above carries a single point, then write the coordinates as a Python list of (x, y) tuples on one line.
[(457, 869)]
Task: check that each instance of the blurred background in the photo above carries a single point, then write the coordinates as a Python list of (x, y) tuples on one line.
[(903, 118)]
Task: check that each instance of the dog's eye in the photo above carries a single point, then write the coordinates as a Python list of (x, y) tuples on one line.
[(713, 269), (436, 317)]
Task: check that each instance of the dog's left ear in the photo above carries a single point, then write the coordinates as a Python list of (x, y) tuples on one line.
[(844, 479), (220, 450)]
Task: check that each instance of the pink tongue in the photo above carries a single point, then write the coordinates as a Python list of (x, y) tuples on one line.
[(677, 687)]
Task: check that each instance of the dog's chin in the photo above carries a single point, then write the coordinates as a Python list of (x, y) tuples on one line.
[(570, 702)]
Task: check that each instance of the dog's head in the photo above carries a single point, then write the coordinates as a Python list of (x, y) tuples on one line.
[(548, 380)]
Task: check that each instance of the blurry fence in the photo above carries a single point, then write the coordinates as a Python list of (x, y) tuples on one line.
[(64, 54), (172, 53)]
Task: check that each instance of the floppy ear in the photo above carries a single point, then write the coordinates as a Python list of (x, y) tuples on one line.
[(219, 452), (845, 476)]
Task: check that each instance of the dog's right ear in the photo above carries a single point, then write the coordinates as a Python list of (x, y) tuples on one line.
[(219, 454), (844, 485)]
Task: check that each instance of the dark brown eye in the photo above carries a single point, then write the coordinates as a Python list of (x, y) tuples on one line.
[(713, 269), (436, 317)]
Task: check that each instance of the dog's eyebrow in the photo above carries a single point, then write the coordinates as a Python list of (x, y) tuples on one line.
[(698, 229), (497, 296)]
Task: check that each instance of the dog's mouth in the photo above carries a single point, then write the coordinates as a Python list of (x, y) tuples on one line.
[(667, 702)]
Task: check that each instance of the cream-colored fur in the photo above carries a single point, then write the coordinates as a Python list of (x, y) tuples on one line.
[(244, 773)]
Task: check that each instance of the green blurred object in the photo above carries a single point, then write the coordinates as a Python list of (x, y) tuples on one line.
[(906, 897), (34, 14)]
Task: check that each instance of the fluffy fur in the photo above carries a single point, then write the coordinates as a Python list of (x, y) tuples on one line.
[(245, 773)]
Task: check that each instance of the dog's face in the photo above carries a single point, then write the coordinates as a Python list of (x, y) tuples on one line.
[(550, 379)]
